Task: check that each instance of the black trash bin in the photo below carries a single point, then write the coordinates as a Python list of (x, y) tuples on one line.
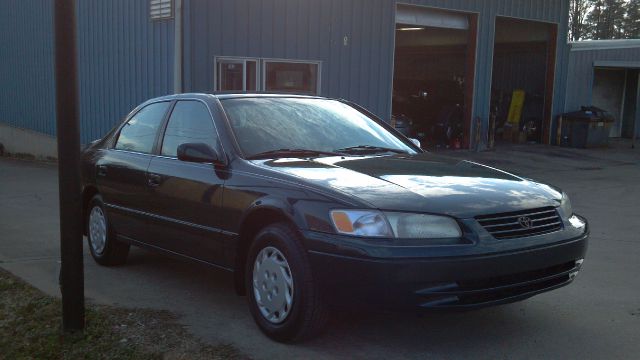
[(587, 128)]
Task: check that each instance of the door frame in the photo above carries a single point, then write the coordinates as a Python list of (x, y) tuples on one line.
[(470, 79), (549, 91), (470, 65), (550, 71)]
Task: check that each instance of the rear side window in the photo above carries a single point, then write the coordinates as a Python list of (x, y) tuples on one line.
[(190, 122), (139, 133)]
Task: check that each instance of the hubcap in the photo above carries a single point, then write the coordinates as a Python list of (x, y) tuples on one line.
[(97, 230), (273, 285)]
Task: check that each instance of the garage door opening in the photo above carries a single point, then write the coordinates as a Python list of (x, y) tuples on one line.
[(615, 91), (433, 75), (522, 83)]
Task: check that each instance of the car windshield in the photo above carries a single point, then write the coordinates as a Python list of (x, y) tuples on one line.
[(306, 125)]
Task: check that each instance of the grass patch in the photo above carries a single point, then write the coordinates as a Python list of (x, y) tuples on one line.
[(30, 328)]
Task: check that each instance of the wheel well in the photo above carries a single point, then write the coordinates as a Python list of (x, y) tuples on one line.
[(87, 194), (255, 222)]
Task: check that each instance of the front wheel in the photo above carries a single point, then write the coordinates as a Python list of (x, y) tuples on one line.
[(105, 249), (283, 297)]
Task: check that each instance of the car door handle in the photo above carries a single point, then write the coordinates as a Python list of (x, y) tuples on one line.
[(102, 170), (154, 179)]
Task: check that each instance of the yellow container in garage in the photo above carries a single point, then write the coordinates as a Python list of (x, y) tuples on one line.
[(515, 110)]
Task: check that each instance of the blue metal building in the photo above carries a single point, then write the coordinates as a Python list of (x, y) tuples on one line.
[(606, 74), (132, 50)]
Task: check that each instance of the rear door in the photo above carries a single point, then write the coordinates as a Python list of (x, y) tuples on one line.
[(187, 197), (121, 174)]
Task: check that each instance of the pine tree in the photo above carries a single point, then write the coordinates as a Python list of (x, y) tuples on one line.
[(606, 20), (631, 21), (616, 10), (594, 22), (578, 10)]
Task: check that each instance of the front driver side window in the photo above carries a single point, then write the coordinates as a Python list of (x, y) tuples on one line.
[(190, 122), (139, 133)]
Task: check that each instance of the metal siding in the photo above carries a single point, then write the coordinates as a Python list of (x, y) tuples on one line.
[(27, 94), (520, 70), (300, 30), (580, 74), (580, 77), (124, 60), (362, 71)]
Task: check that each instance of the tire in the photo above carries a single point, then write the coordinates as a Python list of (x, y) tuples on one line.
[(306, 314), (104, 248)]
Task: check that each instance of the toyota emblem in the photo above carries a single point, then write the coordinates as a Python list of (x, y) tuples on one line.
[(525, 222)]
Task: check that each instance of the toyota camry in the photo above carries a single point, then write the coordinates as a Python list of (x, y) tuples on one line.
[(315, 203)]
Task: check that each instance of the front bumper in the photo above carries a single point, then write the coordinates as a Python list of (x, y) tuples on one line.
[(456, 282)]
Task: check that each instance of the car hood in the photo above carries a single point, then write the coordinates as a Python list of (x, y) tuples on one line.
[(421, 183)]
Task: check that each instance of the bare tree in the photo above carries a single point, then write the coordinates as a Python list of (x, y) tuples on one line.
[(578, 10)]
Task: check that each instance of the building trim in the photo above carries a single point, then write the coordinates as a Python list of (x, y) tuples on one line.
[(591, 45), (617, 64)]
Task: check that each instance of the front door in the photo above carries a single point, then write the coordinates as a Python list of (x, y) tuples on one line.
[(121, 174), (186, 197), (608, 94)]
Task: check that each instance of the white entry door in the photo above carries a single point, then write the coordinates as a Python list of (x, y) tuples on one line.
[(608, 94)]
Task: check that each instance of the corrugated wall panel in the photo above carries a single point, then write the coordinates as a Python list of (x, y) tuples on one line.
[(124, 59), (580, 78), (519, 71), (304, 30), (27, 91), (362, 70)]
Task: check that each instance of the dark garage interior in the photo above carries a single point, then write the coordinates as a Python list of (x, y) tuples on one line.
[(432, 57), (520, 102)]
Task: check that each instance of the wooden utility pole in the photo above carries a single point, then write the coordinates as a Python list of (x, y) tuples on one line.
[(68, 132)]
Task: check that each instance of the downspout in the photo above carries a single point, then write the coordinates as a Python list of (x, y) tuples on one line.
[(177, 48)]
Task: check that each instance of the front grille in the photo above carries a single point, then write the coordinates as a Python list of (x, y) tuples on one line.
[(510, 225)]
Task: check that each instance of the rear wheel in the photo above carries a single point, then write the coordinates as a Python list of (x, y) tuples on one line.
[(283, 296), (105, 249)]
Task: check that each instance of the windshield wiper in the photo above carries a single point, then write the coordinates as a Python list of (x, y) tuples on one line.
[(369, 149), (291, 152)]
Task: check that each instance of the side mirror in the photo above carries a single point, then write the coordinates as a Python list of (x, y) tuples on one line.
[(197, 152), (416, 142)]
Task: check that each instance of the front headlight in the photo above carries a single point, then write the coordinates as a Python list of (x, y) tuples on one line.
[(363, 223), (421, 226), (565, 206), (372, 223)]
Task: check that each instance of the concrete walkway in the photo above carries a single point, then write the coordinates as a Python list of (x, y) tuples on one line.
[(596, 317)]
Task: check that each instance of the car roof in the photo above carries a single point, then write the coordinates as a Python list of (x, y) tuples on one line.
[(235, 95)]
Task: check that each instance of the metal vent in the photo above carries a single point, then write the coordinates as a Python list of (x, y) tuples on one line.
[(521, 223), (160, 9)]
